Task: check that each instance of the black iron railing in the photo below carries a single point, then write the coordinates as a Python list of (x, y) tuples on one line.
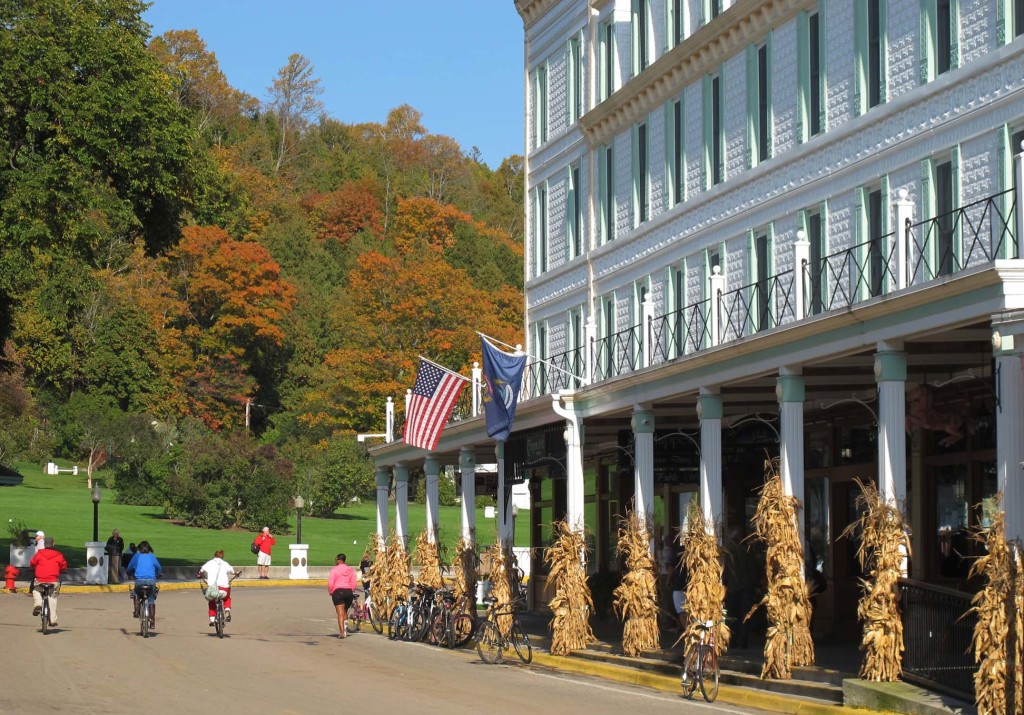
[(756, 307), (862, 271), (937, 633), (618, 354), (463, 409), (680, 332), (563, 371), (973, 234)]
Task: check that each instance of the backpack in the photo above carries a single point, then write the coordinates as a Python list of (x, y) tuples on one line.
[(254, 548)]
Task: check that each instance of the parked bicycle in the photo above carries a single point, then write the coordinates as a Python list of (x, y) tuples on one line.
[(398, 622), (491, 642), (700, 665), (46, 590), (363, 611), (452, 626), (219, 618)]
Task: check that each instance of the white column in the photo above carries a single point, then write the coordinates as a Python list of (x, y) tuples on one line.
[(1009, 423), (504, 513), (467, 463), (717, 285), (573, 459), (646, 321), (383, 478), (643, 463), (904, 215), (801, 259), (709, 411), (891, 375), (389, 421), (402, 503), (789, 389), (477, 385), (431, 470), (589, 358)]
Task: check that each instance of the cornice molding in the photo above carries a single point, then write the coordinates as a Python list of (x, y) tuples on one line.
[(532, 10), (695, 56)]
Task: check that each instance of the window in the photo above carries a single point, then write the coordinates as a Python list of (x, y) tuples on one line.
[(758, 104), (641, 191), (606, 32), (678, 286), (815, 264), (760, 313), (939, 37), (540, 347), (541, 228), (869, 29), (576, 338), (811, 81), (876, 231), (574, 58), (677, 22), (640, 55), (678, 168), (608, 331), (574, 214), (713, 139), (712, 9), (944, 217), (606, 192), (540, 106), (1018, 17), (943, 36)]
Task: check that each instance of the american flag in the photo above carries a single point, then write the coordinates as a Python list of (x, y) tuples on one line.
[(433, 398)]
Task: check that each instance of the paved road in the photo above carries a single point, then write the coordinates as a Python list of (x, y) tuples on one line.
[(281, 655)]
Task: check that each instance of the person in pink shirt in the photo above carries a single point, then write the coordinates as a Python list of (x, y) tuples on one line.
[(341, 584)]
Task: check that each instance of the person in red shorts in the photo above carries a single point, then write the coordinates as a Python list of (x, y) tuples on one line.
[(218, 572)]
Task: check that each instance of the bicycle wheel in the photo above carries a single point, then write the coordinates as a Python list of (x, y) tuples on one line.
[(709, 674), (521, 642), (441, 629), (397, 623), (353, 619), (220, 618), (462, 630), (418, 625), (45, 614), (144, 620), (488, 642), (375, 618), (691, 671)]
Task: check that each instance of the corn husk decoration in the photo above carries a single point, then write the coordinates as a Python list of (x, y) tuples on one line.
[(636, 598), (883, 548), (998, 608), (788, 639), (502, 566), (705, 590), (465, 571), (390, 573), (428, 558), (572, 604)]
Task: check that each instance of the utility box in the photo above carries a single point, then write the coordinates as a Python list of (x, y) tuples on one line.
[(300, 561), (96, 563)]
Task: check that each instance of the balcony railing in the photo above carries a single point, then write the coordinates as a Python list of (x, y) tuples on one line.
[(865, 270), (756, 307), (618, 354), (560, 372), (681, 332)]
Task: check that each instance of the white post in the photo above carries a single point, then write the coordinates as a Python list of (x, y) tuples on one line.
[(432, 470), (891, 375), (801, 259), (402, 503), (789, 390), (590, 333), (643, 463), (383, 479), (477, 388), (467, 463), (717, 282), (646, 324), (709, 412), (904, 217), (573, 459), (1009, 450), (504, 522), (389, 417)]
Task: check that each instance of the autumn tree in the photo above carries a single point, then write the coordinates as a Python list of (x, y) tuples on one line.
[(294, 100)]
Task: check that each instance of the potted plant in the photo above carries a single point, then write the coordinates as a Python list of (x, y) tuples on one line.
[(22, 549)]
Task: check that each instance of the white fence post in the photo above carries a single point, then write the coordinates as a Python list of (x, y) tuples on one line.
[(801, 257), (904, 217), (590, 338), (647, 321), (717, 282)]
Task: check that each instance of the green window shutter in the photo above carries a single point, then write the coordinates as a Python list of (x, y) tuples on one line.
[(928, 25), (954, 165), (954, 34), (823, 67), (708, 139), (635, 171), (751, 106), (768, 90), (1005, 169), (927, 212), (670, 140), (886, 204), (1001, 17), (858, 288), (860, 43), (602, 193), (570, 216), (803, 78), (883, 61)]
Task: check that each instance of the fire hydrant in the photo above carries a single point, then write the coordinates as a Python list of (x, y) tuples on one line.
[(10, 573)]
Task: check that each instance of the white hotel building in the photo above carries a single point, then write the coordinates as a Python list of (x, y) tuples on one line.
[(770, 228)]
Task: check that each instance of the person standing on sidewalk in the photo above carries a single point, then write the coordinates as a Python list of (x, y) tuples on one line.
[(341, 584), (49, 564), (264, 542), (115, 547)]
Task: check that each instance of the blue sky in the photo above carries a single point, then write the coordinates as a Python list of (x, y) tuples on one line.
[(459, 62)]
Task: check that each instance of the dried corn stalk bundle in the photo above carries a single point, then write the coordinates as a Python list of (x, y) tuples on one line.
[(636, 598), (501, 584), (788, 640), (391, 575), (429, 560), (884, 545), (705, 590), (376, 547), (465, 566), (572, 605), (1001, 568)]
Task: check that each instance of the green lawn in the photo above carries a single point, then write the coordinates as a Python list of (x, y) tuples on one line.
[(62, 507)]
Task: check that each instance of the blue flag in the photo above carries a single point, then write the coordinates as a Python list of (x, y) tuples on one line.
[(503, 376)]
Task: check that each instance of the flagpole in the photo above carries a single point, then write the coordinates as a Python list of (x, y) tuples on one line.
[(546, 362), (442, 367)]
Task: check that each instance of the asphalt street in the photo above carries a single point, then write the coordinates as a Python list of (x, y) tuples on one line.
[(281, 655)]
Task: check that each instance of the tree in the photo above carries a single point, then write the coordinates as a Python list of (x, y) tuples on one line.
[(94, 423), (335, 473), (294, 101)]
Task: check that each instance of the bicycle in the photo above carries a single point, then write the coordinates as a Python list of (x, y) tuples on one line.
[(143, 608), (220, 618), (359, 613), (452, 626), (700, 665), (398, 623), (46, 590), (491, 643)]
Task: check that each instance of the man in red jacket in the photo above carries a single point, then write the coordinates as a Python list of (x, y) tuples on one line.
[(264, 542), (49, 564)]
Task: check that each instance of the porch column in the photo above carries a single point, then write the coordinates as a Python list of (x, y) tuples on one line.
[(504, 515), (789, 389), (573, 459), (383, 479), (432, 470), (709, 411), (1009, 422), (643, 463), (402, 502), (891, 375), (467, 463)]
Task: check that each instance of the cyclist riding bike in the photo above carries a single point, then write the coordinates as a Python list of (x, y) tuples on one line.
[(218, 572), (145, 569), (49, 564)]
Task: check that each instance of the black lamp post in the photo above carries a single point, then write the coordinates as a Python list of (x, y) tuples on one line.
[(299, 503), (95, 512)]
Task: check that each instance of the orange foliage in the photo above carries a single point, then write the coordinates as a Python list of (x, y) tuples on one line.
[(425, 222), (343, 213)]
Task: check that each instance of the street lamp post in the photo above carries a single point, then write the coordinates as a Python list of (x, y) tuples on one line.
[(96, 512), (299, 503)]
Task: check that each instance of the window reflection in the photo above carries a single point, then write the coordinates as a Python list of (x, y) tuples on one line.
[(952, 520)]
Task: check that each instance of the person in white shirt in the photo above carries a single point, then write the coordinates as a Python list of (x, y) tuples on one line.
[(218, 572)]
